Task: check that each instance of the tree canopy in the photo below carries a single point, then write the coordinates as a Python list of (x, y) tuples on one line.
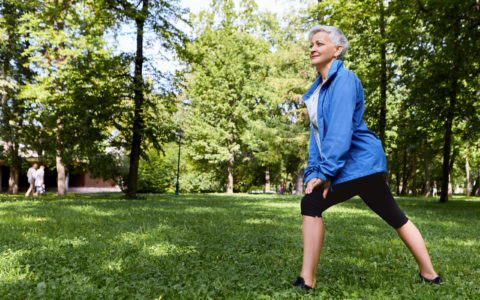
[(235, 103)]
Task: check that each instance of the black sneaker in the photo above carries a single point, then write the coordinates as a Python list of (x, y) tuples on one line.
[(300, 282), (437, 280)]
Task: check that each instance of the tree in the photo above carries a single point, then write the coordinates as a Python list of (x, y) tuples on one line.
[(371, 56), (225, 86), (290, 76), (440, 44), (78, 87), (368, 28), (149, 16), (13, 75)]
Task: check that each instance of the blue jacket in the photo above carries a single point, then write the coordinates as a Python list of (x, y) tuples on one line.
[(348, 149)]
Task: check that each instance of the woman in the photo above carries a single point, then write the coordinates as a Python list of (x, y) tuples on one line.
[(345, 158)]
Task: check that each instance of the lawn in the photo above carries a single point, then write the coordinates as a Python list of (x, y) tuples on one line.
[(219, 246)]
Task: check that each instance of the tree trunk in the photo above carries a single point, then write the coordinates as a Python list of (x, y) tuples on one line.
[(61, 175), (138, 121), (414, 174), (476, 187), (267, 180), (13, 179), (230, 174), (445, 192), (450, 190), (60, 166), (397, 176), (10, 149), (447, 145), (61, 170), (299, 185), (404, 175), (467, 177), (383, 75), (397, 172), (427, 187), (389, 178)]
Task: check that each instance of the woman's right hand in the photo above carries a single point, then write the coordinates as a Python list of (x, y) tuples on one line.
[(312, 184), (316, 182)]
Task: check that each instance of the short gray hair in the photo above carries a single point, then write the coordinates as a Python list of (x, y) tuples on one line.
[(336, 36)]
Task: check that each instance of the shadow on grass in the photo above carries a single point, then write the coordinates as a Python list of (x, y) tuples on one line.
[(217, 246)]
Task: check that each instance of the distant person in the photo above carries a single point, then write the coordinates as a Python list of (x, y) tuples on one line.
[(31, 174), (434, 190), (39, 182), (290, 188), (345, 158)]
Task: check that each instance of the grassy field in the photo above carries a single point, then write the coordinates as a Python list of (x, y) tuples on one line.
[(218, 246)]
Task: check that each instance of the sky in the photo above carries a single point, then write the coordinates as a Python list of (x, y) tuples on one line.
[(125, 40), (276, 6)]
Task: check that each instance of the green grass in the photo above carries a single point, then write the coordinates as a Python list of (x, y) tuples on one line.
[(218, 246)]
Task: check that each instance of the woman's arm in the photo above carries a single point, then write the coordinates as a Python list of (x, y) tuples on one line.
[(340, 118), (313, 170)]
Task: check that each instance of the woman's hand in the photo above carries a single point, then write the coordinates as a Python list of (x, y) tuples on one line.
[(316, 182)]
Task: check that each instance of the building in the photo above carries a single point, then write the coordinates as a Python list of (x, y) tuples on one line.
[(79, 182)]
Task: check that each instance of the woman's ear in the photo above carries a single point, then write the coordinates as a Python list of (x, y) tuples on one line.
[(338, 51)]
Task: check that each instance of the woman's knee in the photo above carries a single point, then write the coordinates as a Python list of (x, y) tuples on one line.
[(311, 204)]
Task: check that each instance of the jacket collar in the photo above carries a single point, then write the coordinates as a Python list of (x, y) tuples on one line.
[(334, 68)]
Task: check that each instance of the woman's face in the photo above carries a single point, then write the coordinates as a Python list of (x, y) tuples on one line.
[(322, 51)]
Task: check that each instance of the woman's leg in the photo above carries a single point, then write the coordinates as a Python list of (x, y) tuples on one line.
[(376, 194), (414, 241), (313, 232), (313, 205)]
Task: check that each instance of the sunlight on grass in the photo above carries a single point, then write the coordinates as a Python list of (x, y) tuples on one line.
[(281, 204), (162, 249), (258, 221), (214, 210)]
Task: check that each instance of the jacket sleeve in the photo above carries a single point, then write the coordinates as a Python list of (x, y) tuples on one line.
[(340, 120), (313, 165)]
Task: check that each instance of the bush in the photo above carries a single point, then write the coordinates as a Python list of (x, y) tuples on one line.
[(158, 172)]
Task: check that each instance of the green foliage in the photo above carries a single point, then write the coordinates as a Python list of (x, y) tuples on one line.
[(420, 41), (64, 93), (158, 17), (195, 181), (109, 165), (78, 88), (157, 171), (285, 131), (217, 246), (225, 83), (12, 75), (431, 37), (361, 23)]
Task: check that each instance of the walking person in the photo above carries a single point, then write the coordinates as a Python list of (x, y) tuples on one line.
[(434, 190), (345, 158), (39, 182), (31, 179)]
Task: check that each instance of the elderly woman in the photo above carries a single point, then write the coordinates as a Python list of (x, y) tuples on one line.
[(345, 157)]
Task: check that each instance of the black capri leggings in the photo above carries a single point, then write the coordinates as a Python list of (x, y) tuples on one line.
[(373, 190)]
